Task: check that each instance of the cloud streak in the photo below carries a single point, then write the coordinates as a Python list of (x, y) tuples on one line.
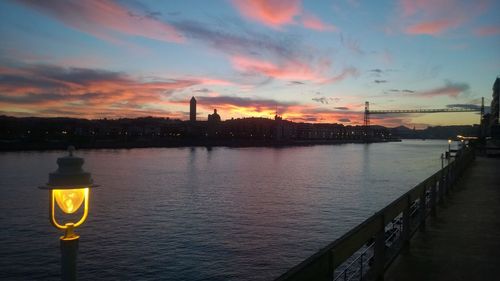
[(290, 70), (491, 30), (105, 19), (435, 17), (451, 89), (34, 88), (274, 13)]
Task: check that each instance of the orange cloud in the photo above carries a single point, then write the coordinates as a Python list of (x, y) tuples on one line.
[(105, 19), (274, 13)]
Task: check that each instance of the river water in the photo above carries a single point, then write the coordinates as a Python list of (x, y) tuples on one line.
[(203, 214)]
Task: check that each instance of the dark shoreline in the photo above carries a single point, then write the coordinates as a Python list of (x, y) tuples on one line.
[(48, 146)]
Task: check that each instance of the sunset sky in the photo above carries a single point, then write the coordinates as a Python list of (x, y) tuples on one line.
[(313, 61)]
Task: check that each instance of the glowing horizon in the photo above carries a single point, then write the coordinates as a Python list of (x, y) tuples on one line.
[(311, 61)]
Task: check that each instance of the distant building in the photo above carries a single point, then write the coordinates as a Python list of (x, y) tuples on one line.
[(495, 102), (192, 110), (494, 127), (214, 118)]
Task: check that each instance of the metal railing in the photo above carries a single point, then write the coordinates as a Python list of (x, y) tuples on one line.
[(366, 251)]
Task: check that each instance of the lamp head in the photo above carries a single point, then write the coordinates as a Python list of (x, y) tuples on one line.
[(69, 188)]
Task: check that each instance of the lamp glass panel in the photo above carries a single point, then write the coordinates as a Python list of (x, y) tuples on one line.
[(70, 200)]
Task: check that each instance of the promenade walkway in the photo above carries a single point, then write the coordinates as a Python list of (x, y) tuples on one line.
[(463, 241)]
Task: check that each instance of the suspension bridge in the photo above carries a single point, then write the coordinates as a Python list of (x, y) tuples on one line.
[(368, 112)]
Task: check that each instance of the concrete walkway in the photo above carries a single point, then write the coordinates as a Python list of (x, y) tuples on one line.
[(463, 242)]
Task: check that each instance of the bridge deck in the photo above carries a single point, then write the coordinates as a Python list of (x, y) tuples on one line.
[(463, 242)]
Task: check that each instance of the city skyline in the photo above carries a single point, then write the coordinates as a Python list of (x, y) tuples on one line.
[(310, 61)]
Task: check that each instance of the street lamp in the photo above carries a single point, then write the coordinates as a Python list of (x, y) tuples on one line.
[(69, 187), (449, 145)]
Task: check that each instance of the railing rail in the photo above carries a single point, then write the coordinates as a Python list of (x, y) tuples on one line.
[(409, 211)]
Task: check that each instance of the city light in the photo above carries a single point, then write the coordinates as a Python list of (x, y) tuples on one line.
[(69, 188)]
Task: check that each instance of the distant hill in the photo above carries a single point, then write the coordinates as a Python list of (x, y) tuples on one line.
[(437, 132)]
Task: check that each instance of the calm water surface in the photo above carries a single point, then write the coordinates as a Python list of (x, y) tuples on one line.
[(198, 214)]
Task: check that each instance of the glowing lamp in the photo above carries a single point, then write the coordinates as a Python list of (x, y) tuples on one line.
[(69, 187)]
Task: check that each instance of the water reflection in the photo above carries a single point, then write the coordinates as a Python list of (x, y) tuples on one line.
[(199, 213)]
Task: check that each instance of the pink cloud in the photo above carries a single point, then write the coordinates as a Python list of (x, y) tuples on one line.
[(278, 13), (312, 22), (435, 17), (451, 89), (274, 13), (291, 70), (105, 20), (488, 31), (432, 27)]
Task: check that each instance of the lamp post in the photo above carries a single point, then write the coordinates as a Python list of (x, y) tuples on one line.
[(449, 145), (69, 187)]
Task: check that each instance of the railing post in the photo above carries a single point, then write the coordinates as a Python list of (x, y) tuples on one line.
[(446, 179), (451, 175), (379, 252), (423, 209), (433, 199), (405, 235), (331, 269)]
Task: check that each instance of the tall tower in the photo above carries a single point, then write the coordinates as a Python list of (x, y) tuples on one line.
[(192, 110), (366, 119)]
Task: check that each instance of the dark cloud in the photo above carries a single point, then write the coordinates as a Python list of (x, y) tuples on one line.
[(408, 91), (380, 81), (342, 108), (297, 82), (55, 77), (243, 102), (325, 100), (322, 100), (50, 78), (81, 76), (204, 90), (46, 97), (307, 118), (345, 120), (243, 42), (376, 70)]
